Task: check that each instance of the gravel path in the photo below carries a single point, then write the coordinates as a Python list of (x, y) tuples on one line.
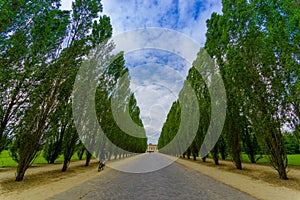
[(172, 182)]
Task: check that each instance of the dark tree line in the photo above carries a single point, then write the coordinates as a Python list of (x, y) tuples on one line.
[(256, 49), (41, 51)]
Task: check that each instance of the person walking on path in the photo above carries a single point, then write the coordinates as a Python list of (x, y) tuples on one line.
[(103, 156)]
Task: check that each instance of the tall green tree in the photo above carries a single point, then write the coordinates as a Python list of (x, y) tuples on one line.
[(255, 46), (53, 46), (170, 129), (31, 34), (40, 32), (86, 34), (201, 90)]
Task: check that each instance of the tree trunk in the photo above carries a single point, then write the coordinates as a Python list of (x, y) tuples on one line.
[(52, 160), (238, 163), (282, 173), (248, 142), (252, 158), (56, 153), (26, 157), (65, 165), (280, 163), (58, 145), (188, 153), (204, 159), (278, 156), (68, 151), (21, 172), (215, 156), (223, 155), (222, 147), (235, 144), (80, 155), (281, 169), (67, 159), (88, 158), (194, 156)]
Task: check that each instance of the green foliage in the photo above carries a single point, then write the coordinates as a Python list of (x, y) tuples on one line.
[(255, 46), (250, 143), (41, 50), (115, 72), (291, 144), (49, 152), (201, 89), (171, 126), (28, 39)]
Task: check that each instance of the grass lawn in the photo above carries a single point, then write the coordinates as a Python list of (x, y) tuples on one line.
[(7, 161), (293, 160)]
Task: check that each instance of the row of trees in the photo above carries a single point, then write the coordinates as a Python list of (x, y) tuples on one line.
[(255, 45), (41, 50)]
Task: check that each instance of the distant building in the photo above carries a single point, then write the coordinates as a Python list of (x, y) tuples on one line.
[(152, 148)]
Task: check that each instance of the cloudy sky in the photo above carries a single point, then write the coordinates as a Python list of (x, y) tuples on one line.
[(156, 75)]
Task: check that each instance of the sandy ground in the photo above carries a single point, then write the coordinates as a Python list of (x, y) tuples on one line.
[(43, 181), (258, 180)]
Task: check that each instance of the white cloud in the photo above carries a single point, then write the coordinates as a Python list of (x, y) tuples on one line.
[(66, 5), (188, 17), (156, 87)]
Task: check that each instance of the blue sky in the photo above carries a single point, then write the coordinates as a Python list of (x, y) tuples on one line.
[(157, 76), (186, 16), (156, 79)]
